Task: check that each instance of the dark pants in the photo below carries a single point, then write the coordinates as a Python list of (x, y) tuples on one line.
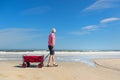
[(52, 52)]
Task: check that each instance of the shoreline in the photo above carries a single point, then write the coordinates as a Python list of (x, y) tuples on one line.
[(83, 57), (113, 63), (63, 52)]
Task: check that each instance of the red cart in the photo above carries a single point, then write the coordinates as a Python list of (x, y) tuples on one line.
[(27, 59)]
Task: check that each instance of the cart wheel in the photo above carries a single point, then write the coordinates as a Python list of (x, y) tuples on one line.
[(28, 64), (24, 65), (40, 65)]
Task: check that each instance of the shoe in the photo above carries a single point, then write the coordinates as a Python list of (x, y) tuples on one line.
[(48, 65), (55, 65)]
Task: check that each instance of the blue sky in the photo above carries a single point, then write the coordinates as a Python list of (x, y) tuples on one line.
[(80, 24)]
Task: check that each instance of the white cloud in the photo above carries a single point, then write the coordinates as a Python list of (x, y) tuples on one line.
[(12, 36), (109, 20), (90, 27), (103, 4), (85, 30)]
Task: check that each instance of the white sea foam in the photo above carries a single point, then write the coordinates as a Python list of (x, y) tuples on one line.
[(65, 52), (84, 57)]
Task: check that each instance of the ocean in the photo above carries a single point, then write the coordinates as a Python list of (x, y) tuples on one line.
[(63, 56)]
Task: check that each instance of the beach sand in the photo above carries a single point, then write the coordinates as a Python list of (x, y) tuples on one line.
[(106, 69)]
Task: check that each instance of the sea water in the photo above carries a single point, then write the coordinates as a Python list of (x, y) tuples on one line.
[(84, 57)]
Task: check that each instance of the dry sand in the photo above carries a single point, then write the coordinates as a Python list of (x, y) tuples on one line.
[(106, 69)]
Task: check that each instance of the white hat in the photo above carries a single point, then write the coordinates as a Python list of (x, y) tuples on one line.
[(53, 30)]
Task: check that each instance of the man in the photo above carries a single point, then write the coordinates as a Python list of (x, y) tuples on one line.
[(51, 45)]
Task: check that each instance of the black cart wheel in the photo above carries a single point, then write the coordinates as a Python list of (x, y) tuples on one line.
[(28, 64), (24, 65), (40, 65)]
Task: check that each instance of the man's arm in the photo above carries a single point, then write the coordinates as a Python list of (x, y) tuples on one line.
[(53, 40)]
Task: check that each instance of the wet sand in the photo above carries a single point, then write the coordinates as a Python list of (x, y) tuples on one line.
[(106, 69)]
